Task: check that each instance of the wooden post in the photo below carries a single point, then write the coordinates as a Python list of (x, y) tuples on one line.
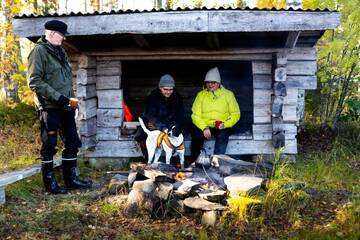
[(279, 88), (86, 93), (110, 101)]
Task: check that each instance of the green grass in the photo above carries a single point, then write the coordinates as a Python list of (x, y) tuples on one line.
[(327, 163)]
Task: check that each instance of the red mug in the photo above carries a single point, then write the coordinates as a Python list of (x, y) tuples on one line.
[(217, 124)]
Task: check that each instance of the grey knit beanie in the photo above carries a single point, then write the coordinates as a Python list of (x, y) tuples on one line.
[(166, 81), (213, 75)]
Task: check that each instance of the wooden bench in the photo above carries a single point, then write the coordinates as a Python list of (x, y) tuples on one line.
[(11, 177)]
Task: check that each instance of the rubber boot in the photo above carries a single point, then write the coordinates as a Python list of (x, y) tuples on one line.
[(49, 179), (70, 175)]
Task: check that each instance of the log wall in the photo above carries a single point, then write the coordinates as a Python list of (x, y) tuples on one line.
[(99, 86)]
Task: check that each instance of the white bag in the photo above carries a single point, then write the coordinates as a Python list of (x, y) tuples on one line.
[(203, 160)]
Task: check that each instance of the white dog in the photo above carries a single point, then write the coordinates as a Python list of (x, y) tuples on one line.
[(157, 141)]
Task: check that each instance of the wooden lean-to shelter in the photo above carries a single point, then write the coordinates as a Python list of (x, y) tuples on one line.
[(266, 57)]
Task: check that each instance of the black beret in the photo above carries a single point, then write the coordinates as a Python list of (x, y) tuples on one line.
[(56, 25)]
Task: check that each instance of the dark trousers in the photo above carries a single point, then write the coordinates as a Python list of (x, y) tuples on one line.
[(197, 141), (62, 122)]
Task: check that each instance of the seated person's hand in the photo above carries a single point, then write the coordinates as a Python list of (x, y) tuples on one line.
[(219, 125), (207, 133)]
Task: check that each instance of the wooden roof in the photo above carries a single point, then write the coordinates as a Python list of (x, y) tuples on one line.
[(217, 28)]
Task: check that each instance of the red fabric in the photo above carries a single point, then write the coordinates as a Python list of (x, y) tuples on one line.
[(128, 117)]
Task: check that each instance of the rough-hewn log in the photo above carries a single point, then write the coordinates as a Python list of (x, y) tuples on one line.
[(278, 124), (293, 67), (109, 133), (87, 127), (294, 81), (263, 96), (87, 109), (85, 61), (131, 149), (280, 89), (85, 77), (108, 82), (108, 63), (108, 71), (110, 98), (278, 139), (85, 91), (291, 39), (88, 143), (280, 74), (109, 117), (185, 21), (277, 106)]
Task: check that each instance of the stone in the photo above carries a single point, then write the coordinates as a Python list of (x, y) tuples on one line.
[(179, 206), (118, 184), (186, 185), (164, 190), (139, 201), (209, 218), (212, 195), (164, 167), (202, 204), (146, 186), (242, 184)]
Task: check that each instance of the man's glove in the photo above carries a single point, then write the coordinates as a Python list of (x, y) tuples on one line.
[(63, 101)]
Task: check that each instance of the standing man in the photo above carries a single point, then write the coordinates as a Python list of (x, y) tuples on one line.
[(164, 109), (49, 77), (214, 112)]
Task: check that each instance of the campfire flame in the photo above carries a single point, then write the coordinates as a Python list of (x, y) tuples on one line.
[(180, 176)]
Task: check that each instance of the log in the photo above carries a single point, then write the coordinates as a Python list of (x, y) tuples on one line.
[(108, 71), (109, 117), (108, 82), (108, 133), (87, 109), (88, 143), (293, 67), (277, 106), (110, 99), (85, 61), (263, 96), (85, 77), (87, 127), (278, 139), (85, 91), (292, 81), (280, 74), (280, 89)]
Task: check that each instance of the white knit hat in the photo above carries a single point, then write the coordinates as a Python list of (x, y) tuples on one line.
[(213, 75)]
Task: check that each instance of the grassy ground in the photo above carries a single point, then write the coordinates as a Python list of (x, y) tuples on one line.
[(315, 198)]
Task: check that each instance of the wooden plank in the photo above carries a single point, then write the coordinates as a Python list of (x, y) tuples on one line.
[(301, 82), (185, 21), (262, 81), (289, 113), (291, 39), (87, 109), (281, 58), (307, 54), (236, 147), (109, 117), (88, 143), (108, 82), (110, 133), (293, 67), (108, 71), (263, 96), (108, 63), (301, 67), (87, 127), (110, 98), (113, 55), (292, 81), (85, 91), (268, 128), (85, 77)]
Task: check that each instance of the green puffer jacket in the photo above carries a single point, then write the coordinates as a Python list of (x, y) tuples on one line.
[(209, 107), (49, 74)]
